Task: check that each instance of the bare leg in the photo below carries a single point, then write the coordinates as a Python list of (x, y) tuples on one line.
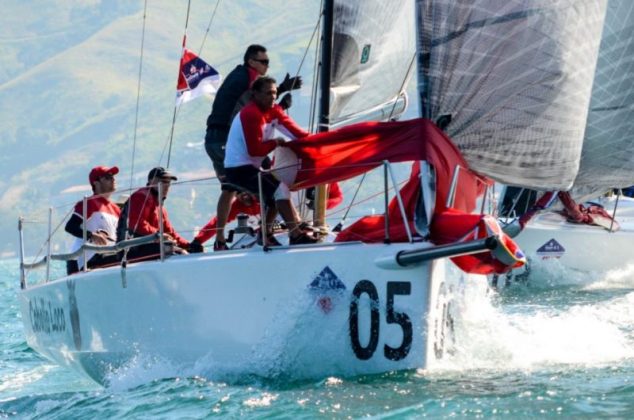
[(222, 213), (271, 212), (290, 216)]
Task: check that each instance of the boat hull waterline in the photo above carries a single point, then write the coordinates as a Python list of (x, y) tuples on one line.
[(582, 247), (334, 310)]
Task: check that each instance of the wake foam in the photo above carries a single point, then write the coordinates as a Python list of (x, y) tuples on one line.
[(577, 327)]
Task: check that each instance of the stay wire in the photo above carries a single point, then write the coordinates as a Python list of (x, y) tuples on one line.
[(316, 66), (211, 19), (311, 112), (171, 136), (138, 95), (171, 139), (407, 73)]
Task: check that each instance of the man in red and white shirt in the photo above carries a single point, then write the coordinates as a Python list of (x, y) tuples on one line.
[(101, 218), (250, 141), (144, 218)]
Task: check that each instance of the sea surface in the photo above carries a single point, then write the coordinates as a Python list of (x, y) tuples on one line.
[(560, 346)]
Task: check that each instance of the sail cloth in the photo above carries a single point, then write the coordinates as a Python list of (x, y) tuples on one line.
[(607, 158), (343, 153), (350, 151), (453, 226), (195, 78), (373, 46), (515, 77)]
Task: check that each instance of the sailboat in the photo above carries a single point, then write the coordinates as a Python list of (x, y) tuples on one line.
[(607, 165), (490, 76)]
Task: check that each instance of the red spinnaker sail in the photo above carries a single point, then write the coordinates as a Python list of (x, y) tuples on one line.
[(355, 149), (344, 153)]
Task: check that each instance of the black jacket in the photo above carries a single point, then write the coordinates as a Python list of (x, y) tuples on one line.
[(234, 86)]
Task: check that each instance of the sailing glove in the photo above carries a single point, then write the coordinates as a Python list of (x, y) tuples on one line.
[(289, 83), (195, 247), (286, 102)]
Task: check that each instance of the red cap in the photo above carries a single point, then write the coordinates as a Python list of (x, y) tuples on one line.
[(99, 171)]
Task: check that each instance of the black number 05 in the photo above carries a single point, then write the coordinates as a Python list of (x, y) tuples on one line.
[(391, 317)]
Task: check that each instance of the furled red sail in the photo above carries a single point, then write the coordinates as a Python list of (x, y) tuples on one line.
[(355, 149), (344, 153)]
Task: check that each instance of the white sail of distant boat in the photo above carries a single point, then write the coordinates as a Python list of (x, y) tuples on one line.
[(607, 159), (515, 78), (607, 162), (507, 79)]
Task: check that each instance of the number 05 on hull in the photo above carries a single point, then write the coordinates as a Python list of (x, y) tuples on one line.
[(336, 310)]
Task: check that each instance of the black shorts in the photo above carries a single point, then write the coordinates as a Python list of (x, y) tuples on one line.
[(245, 178), (215, 141)]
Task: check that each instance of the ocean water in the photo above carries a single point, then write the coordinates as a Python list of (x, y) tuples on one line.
[(560, 346)]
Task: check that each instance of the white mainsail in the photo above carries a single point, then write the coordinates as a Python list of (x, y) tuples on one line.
[(607, 159), (373, 47), (515, 77)]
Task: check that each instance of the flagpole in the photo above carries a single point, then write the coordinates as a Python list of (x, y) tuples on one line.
[(169, 151)]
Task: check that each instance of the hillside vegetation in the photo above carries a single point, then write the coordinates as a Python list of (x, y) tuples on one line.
[(68, 90)]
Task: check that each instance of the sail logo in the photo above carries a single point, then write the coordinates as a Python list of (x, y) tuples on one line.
[(551, 249), (324, 284)]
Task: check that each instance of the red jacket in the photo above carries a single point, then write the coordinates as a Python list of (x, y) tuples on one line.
[(143, 216)]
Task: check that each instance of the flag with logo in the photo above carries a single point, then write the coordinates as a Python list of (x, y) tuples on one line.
[(195, 78)]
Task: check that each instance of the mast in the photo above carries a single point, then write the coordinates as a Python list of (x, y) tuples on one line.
[(319, 215)]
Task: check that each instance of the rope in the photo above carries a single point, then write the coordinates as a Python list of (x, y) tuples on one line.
[(343, 219), (407, 73)]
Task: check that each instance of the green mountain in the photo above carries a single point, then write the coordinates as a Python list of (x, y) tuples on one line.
[(69, 76)]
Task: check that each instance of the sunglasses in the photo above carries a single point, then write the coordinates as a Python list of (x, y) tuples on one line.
[(264, 61)]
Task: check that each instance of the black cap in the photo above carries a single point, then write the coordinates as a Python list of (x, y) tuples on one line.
[(161, 173)]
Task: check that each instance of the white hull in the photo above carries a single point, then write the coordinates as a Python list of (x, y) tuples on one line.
[(582, 247), (247, 312)]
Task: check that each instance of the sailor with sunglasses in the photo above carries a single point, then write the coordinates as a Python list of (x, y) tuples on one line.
[(231, 97)]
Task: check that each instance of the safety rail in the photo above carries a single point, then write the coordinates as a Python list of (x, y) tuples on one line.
[(46, 255), (388, 175), (100, 249), (86, 246), (453, 188)]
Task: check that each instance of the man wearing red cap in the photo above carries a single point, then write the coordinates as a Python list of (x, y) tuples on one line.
[(101, 218)]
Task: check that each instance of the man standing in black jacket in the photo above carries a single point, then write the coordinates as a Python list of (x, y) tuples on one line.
[(231, 96)]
